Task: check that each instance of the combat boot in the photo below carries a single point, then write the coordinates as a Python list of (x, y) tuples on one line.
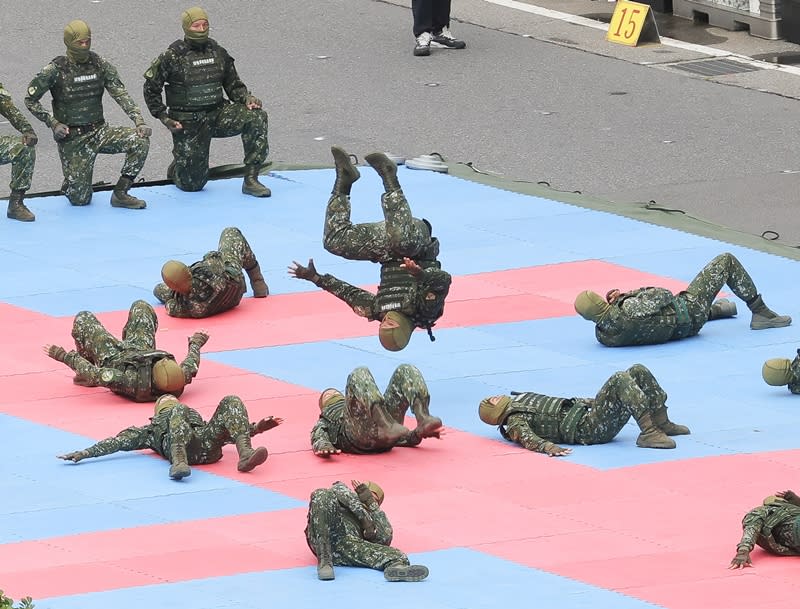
[(398, 572), (661, 420), (764, 317), (325, 563), (651, 436), (121, 198), (180, 463), (251, 185), (722, 309), (260, 288), (346, 172), (426, 424), (249, 459), (386, 168), (17, 209)]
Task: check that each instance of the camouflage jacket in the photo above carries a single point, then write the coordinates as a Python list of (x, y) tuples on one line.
[(762, 523), (45, 80), (647, 316), (12, 113), (399, 291), (354, 511), (216, 287), (794, 371), (532, 419)]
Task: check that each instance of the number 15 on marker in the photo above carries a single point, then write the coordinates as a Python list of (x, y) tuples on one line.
[(627, 22)]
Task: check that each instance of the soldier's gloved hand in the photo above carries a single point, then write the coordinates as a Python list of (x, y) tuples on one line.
[(308, 273), (741, 560), (57, 353), (198, 338), (143, 131), (60, 131), (368, 527), (789, 496), (267, 424), (173, 125), (363, 492), (252, 102), (74, 456), (30, 139)]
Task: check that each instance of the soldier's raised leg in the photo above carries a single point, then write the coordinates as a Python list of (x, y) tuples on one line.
[(179, 435), (140, 329), (407, 388), (236, 250), (656, 400), (230, 422), (92, 341), (366, 420)]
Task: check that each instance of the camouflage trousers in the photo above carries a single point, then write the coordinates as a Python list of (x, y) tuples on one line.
[(626, 394), (78, 154), (723, 270), (204, 444), (97, 345), (22, 159), (330, 525), (369, 416), (399, 235), (235, 252), (191, 145)]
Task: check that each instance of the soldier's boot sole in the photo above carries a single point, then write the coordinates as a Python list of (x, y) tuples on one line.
[(345, 170), (126, 201), (325, 572), (178, 471), (405, 573), (251, 461)]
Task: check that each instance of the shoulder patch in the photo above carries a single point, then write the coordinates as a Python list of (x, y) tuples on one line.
[(3, 92), (107, 376), (31, 90)]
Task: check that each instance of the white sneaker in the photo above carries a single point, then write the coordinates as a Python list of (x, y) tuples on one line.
[(423, 48), (446, 40)]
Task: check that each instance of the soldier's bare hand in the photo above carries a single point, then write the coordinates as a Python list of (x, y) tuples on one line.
[(554, 450), (60, 131), (309, 273), (75, 456), (252, 102), (326, 450), (57, 353), (411, 266), (267, 424), (789, 496), (143, 131), (30, 139), (741, 561), (199, 338)]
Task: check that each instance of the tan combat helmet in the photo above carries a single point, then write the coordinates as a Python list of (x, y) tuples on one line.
[(168, 376), (777, 371), (395, 331), (493, 413), (590, 305), (374, 488), (177, 276), (164, 402), (328, 397)]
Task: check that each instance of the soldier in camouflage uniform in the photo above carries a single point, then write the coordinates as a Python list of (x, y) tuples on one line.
[(131, 367), (179, 434), (365, 421), (775, 526), (213, 284), (76, 83), (651, 315), (197, 73), (20, 152), (781, 371), (349, 529), (413, 286), (538, 422)]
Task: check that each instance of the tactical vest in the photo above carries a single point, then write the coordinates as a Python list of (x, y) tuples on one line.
[(195, 82), (551, 418), (794, 370), (142, 364), (229, 296), (775, 515), (673, 322), (78, 91), (397, 291)]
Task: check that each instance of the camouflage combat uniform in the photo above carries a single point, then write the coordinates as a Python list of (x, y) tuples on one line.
[(217, 280), (180, 425), (12, 150), (196, 77), (774, 527), (366, 421), (77, 92), (653, 315), (124, 366), (794, 372), (533, 420), (335, 517)]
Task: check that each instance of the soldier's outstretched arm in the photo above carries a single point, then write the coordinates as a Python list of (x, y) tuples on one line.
[(751, 525), (191, 364), (520, 431), (104, 377), (321, 443), (132, 438)]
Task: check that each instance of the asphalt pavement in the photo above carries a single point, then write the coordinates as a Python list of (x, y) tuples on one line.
[(539, 95)]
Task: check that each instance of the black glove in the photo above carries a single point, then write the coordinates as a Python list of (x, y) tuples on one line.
[(57, 353), (29, 138), (305, 272), (60, 131), (172, 125)]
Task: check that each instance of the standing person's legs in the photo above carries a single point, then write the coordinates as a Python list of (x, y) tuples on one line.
[(442, 37), (253, 126), (77, 156), (118, 140), (190, 150), (22, 158)]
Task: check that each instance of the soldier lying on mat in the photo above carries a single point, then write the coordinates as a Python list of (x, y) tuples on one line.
[(775, 526)]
